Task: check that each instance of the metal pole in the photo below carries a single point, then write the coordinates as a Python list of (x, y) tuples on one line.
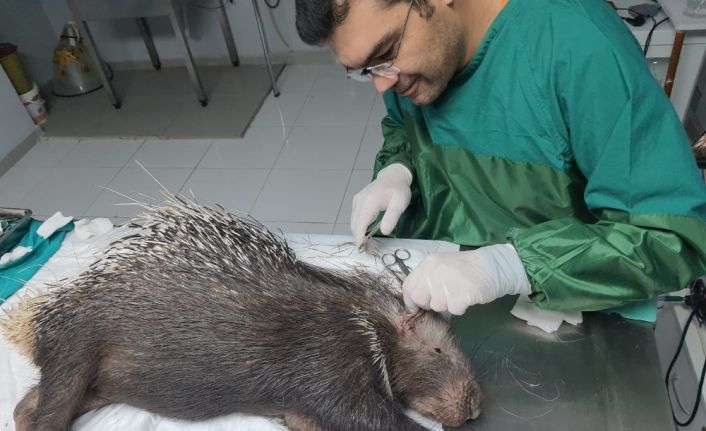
[(190, 67), (265, 47), (93, 51), (149, 42), (228, 35)]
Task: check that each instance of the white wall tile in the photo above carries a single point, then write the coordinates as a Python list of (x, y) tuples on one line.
[(321, 147), (295, 195), (100, 153), (139, 185), (171, 153), (233, 189), (257, 150), (70, 190), (359, 179)]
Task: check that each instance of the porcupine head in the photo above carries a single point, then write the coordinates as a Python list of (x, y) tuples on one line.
[(430, 373)]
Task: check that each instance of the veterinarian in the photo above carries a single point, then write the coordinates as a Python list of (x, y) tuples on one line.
[(530, 129)]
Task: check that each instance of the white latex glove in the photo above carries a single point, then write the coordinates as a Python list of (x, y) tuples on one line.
[(390, 192), (454, 281)]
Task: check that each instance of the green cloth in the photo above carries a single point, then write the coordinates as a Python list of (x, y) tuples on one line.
[(556, 137), (15, 274)]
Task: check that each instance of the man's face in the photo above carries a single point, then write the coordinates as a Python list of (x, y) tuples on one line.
[(430, 50)]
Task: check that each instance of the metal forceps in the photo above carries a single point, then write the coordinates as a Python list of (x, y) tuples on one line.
[(397, 258), (373, 230)]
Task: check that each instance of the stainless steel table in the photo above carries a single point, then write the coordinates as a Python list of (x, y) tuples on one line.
[(602, 375)]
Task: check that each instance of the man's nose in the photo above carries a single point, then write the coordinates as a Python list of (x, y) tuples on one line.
[(384, 83)]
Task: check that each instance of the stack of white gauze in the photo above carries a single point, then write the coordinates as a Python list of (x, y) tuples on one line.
[(546, 320)]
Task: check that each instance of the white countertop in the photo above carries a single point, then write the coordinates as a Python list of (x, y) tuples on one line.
[(674, 9)]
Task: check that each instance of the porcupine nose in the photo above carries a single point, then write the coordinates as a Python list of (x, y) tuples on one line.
[(462, 415), (470, 412), (459, 420), (468, 408), (473, 402)]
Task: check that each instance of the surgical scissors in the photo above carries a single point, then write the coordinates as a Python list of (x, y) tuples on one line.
[(398, 257)]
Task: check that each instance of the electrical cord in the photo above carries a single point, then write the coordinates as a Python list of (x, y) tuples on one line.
[(221, 5), (270, 12), (638, 20), (655, 23), (697, 300)]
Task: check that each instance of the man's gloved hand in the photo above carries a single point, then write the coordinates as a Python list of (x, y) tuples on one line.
[(454, 281), (390, 192)]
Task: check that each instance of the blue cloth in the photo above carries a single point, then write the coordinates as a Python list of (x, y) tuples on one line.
[(645, 311), (15, 274)]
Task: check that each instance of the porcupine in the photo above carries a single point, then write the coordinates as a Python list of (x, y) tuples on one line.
[(200, 313)]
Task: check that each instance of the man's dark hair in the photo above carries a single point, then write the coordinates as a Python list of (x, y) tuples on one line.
[(317, 19)]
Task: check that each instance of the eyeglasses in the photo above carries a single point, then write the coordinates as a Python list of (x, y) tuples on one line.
[(386, 69)]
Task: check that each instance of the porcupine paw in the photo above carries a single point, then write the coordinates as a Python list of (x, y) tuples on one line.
[(298, 422), (25, 408)]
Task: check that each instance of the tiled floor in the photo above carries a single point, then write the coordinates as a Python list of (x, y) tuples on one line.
[(297, 168)]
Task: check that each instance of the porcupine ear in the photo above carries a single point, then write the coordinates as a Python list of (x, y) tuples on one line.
[(405, 321)]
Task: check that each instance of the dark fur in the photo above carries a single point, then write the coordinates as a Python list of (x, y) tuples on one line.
[(189, 334)]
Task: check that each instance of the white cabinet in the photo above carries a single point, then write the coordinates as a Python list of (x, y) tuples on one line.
[(15, 123)]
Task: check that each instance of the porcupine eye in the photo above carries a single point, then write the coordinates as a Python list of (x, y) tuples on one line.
[(437, 350)]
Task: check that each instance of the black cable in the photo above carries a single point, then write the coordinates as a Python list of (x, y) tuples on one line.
[(636, 20), (221, 5), (669, 372), (655, 23)]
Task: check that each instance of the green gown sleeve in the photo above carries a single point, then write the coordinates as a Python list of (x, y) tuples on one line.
[(642, 185), (395, 148)]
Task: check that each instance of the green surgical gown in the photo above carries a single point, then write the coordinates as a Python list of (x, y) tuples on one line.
[(556, 138)]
